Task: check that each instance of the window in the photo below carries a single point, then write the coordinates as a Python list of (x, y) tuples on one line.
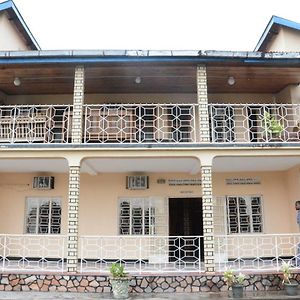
[(244, 214), (43, 215), (137, 216)]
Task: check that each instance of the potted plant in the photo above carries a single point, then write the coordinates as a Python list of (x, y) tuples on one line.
[(119, 281), (291, 288), (272, 127), (236, 282)]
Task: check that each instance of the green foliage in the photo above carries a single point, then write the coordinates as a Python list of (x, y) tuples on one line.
[(272, 126), (117, 270), (232, 279), (286, 271)]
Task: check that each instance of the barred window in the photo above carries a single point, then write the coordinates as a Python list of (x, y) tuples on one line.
[(43, 215), (137, 216), (244, 214)]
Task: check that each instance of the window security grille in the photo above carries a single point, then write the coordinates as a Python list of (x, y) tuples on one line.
[(143, 216), (43, 182), (43, 215), (137, 182), (244, 214)]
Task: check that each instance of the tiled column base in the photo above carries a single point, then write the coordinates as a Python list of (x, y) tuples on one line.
[(139, 284)]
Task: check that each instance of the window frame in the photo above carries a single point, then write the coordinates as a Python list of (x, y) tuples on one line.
[(249, 208), (40, 201), (152, 217)]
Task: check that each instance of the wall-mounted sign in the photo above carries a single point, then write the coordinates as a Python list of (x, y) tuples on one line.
[(242, 181), (181, 182)]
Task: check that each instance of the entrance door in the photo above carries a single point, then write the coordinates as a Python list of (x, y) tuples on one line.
[(185, 219)]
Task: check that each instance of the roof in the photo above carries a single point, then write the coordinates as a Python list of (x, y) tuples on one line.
[(18, 20), (272, 29)]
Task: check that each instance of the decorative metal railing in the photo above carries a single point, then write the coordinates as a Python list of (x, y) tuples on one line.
[(140, 123), (151, 123), (32, 252), (256, 251), (141, 254), (35, 123), (259, 123)]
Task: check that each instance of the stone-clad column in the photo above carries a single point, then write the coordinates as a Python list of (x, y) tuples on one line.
[(78, 101), (208, 225), (72, 243), (203, 104)]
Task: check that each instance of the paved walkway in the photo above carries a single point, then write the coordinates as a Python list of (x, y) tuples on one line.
[(176, 296)]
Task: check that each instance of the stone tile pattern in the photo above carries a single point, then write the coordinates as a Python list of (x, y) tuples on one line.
[(208, 227), (78, 101), (72, 246), (139, 284), (203, 104)]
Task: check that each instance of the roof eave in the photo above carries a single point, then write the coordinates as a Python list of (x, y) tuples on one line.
[(11, 8)]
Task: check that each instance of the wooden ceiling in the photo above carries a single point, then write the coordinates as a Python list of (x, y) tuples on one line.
[(59, 79)]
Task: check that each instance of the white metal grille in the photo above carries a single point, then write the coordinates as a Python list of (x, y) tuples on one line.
[(35, 123), (43, 215), (244, 123), (143, 216), (244, 214), (256, 251), (141, 254), (32, 252), (140, 123)]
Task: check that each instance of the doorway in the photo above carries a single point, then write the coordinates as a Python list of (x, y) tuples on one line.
[(185, 219)]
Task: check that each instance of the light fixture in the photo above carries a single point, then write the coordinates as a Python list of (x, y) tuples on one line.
[(17, 81), (138, 80), (231, 80)]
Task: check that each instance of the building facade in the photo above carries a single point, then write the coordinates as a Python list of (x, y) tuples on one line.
[(175, 163)]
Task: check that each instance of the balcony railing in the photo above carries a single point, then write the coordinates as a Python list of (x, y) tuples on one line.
[(35, 124), (140, 123), (32, 252), (142, 254), (151, 123), (254, 123), (149, 254), (256, 252)]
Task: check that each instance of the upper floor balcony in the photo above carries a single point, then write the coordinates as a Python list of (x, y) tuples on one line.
[(151, 123), (144, 98)]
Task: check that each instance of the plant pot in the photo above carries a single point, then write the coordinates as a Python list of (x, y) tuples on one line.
[(237, 291), (291, 289), (120, 287)]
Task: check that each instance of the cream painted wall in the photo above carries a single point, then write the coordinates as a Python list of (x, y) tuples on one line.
[(11, 38), (273, 188), (277, 43), (98, 211), (292, 182), (287, 40), (15, 187), (98, 208)]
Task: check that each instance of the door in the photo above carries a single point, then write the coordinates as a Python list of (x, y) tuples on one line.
[(185, 224)]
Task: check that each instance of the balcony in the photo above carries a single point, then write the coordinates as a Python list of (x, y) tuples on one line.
[(35, 124), (151, 123), (149, 254)]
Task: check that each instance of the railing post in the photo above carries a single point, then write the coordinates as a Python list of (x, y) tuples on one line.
[(203, 104), (78, 100), (72, 243), (208, 225)]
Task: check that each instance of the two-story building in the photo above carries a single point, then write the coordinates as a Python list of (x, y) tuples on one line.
[(178, 164)]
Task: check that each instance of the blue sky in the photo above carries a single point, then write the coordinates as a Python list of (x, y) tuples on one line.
[(155, 24)]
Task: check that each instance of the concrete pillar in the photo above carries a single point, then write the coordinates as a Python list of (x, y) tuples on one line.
[(208, 225), (78, 101), (203, 104), (72, 243)]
